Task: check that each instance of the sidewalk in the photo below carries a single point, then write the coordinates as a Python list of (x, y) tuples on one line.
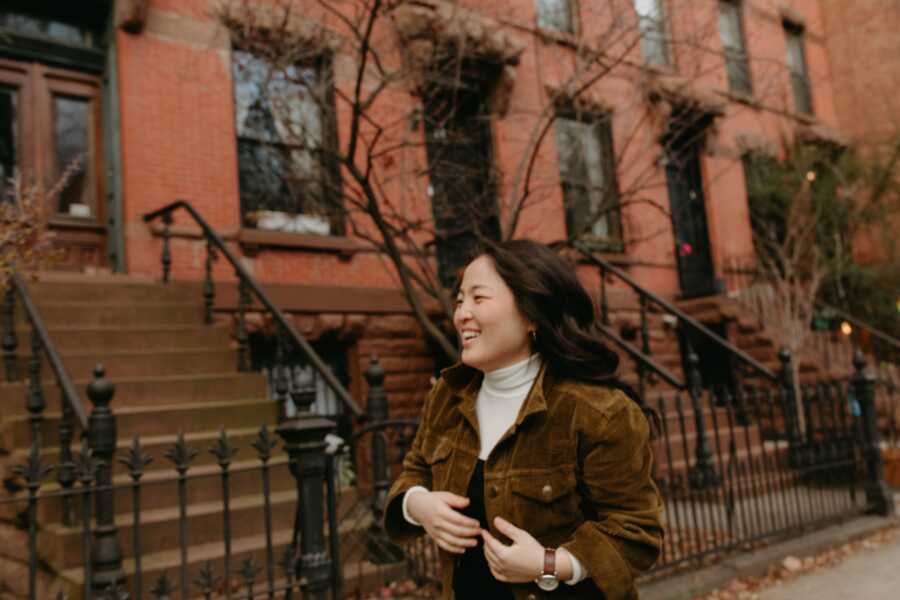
[(873, 574), (701, 582)]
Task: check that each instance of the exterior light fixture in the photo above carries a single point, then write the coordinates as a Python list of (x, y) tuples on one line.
[(810, 176), (846, 328)]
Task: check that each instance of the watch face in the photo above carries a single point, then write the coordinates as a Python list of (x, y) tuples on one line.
[(547, 582)]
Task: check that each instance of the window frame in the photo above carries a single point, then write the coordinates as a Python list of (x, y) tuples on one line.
[(737, 60), (801, 86), (331, 181), (601, 124), (661, 29)]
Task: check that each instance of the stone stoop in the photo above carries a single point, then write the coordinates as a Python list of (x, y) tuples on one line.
[(171, 373), (748, 333)]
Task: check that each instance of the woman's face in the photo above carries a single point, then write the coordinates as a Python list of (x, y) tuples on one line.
[(493, 333)]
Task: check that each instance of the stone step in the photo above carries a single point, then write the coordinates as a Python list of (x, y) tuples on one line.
[(143, 391), (134, 363), (107, 314), (121, 339), (156, 447), (356, 572), (158, 419), (117, 289), (159, 488), (61, 547)]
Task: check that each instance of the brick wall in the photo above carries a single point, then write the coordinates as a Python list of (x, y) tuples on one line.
[(178, 141)]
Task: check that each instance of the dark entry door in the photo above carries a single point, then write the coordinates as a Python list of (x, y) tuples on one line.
[(688, 207)]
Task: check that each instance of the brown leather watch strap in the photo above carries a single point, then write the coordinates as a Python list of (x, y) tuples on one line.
[(549, 561)]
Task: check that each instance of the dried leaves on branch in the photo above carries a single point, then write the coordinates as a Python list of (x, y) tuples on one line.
[(25, 242)]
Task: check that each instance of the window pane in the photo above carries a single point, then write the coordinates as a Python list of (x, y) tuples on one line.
[(71, 120), (796, 61), (8, 126), (276, 105), (731, 32), (651, 23), (555, 14), (280, 129), (584, 167), (29, 25), (730, 26)]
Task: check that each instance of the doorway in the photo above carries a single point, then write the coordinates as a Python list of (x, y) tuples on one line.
[(687, 202), (52, 60)]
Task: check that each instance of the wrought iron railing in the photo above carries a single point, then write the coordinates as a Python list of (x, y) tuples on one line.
[(288, 337), (646, 299), (72, 411), (751, 491)]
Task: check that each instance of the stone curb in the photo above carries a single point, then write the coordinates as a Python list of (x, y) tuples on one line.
[(688, 585)]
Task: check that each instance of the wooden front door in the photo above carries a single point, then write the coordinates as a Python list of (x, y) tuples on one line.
[(50, 133), (688, 208)]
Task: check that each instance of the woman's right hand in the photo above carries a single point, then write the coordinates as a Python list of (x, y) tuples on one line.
[(438, 512)]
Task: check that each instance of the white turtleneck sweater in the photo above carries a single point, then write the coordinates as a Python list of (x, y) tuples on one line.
[(499, 401)]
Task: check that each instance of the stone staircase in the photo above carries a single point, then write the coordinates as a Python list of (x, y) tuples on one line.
[(171, 373)]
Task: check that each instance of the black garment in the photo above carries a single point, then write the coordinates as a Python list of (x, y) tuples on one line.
[(472, 578)]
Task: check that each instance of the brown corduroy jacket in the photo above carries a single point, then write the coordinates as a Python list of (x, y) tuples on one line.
[(573, 471)]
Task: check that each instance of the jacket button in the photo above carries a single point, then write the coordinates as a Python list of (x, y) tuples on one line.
[(495, 491), (531, 597), (547, 491)]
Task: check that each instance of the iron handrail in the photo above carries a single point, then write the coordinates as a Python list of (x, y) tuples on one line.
[(311, 355), (873, 331), (69, 391), (637, 355), (677, 313)]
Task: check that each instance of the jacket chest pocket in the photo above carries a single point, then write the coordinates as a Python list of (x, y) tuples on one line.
[(546, 503), (437, 457)]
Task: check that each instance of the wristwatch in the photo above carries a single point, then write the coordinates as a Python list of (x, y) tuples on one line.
[(547, 580)]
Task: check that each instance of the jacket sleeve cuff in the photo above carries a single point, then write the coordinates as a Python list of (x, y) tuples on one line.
[(609, 570), (406, 515)]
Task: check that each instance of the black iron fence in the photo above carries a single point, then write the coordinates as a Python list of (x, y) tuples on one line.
[(733, 474)]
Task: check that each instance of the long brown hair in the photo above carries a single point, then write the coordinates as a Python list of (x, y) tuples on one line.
[(548, 293)]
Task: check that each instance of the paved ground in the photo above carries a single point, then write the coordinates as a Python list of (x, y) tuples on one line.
[(873, 574)]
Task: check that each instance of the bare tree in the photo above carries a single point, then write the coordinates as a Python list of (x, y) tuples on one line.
[(417, 87)]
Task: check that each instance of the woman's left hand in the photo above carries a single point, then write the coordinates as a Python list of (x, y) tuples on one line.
[(521, 561)]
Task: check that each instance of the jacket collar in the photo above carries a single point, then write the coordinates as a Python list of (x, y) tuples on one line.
[(464, 381)]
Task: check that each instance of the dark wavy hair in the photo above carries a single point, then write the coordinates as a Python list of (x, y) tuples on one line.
[(548, 294)]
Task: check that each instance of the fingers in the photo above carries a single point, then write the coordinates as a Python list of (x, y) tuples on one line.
[(449, 546), (508, 529), (454, 500)]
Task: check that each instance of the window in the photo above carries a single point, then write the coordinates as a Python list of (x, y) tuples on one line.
[(587, 175), (462, 180), (652, 26), (556, 15), (283, 129), (796, 62), (40, 103), (731, 30), (762, 175)]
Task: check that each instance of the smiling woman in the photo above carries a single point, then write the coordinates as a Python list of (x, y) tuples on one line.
[(532, 463)]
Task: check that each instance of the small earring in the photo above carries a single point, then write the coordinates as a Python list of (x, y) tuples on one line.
[(533, 333)]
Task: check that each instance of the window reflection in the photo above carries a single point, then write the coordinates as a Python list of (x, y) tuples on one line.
[(71, 118), (280, 132), (58, 30)]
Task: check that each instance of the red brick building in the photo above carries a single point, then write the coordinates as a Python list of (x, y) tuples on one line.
[(148, 92)]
